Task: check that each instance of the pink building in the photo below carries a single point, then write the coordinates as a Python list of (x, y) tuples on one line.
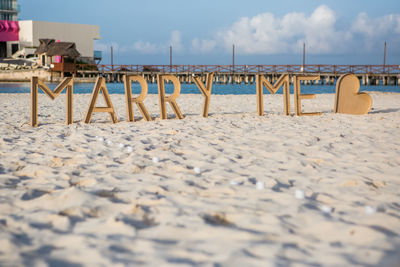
[(9, 28)]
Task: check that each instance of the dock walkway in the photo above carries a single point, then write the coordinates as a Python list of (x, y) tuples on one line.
[(226, 74)]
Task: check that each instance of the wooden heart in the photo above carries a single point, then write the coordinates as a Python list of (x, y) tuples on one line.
[(347, 98)]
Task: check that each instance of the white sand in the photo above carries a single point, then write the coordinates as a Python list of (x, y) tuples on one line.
[(234, 189)]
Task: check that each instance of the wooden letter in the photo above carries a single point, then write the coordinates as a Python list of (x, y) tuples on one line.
[(206, 91), (36, 83), (262, 81), (138, 100), (171, 99), (101, 86), (298, 96), (347, 98)]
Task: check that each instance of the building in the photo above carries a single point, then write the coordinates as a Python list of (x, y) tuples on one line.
[(8, 27), (82, 35), (64, 54), (20, 39), (48, 49), (9, 10)]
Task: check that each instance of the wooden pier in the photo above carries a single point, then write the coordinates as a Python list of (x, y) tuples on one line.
[(229, 74)]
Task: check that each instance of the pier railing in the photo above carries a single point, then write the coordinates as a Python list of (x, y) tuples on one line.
[(323, 69)]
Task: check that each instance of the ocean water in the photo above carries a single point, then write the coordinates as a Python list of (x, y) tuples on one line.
[(218, 89)]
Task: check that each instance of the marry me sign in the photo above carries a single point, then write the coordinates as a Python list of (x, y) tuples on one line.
[(348, 100)]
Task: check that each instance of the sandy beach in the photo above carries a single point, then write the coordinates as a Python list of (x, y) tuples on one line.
[(234, 189)]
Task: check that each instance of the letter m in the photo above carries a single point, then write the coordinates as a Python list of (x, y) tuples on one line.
[(36, 83), (282, 81)]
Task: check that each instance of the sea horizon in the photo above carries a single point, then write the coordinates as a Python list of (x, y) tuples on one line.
[(217, 89)]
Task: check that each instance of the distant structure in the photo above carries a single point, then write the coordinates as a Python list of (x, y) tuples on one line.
[(20, 39), (9, 10), (49, 48), (82, 35), (8, 27)]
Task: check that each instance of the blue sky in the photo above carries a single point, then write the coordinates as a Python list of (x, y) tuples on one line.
[(263, 31)]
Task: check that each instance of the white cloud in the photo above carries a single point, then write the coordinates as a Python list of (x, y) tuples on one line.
[(376, 26), (157, 48), (176, 41), (372, 32), (146, 47), (106, 47), (268, 34), (203, 46)]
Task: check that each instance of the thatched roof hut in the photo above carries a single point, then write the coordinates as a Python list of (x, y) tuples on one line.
[(52, 48), (44, 46)]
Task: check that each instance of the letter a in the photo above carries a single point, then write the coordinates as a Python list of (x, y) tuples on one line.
[(36, 83), (101, 86), (206, 91), (262, 81), (171, 99)]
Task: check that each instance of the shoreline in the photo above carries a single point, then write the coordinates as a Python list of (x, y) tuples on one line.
[(55, 80), (81, 80), (185, 76)]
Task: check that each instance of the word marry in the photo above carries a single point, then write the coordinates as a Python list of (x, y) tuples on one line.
[(347, 98)]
